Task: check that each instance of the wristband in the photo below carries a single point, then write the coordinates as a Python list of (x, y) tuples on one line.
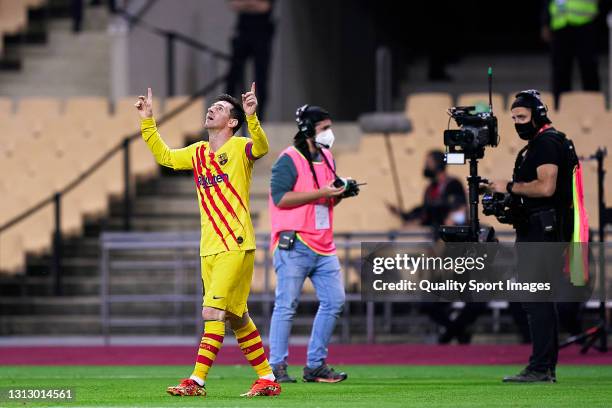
[(509, 187)]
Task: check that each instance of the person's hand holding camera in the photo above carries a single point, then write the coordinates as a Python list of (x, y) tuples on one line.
[(330, 191), (498, 186)]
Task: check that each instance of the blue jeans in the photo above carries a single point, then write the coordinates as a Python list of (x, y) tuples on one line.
[(292, 268)]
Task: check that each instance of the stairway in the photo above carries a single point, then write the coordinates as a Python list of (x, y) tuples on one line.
[(50, 60)]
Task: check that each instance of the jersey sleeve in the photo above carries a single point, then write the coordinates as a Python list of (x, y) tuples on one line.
[(177, 159), (258, 146), (284, 176)]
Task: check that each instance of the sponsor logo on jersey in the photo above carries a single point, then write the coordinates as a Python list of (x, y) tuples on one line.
[(207, 182)]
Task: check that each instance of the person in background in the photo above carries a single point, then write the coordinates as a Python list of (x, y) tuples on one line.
[(252, 39), (570, 27)]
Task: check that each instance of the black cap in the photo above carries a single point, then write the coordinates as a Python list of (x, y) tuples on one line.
[(313, 113)]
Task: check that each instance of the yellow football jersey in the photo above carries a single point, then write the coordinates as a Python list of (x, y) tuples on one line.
[(222, 180)]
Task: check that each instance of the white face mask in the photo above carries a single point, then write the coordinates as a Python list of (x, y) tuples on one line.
[(325, 138)]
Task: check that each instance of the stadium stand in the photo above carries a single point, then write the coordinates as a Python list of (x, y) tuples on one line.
[(51, 141)]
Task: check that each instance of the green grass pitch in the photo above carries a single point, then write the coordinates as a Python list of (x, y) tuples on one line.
[(367, 386)]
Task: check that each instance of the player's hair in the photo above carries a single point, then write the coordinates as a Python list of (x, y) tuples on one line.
[(236, 112)]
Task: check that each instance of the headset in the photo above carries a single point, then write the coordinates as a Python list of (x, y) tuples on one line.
[(304, 125), (540, 112)]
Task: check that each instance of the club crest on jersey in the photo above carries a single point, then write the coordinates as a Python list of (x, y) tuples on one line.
[(222, 158)]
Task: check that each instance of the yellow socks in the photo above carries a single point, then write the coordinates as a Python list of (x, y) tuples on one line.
[(214, 331), (252, 347)]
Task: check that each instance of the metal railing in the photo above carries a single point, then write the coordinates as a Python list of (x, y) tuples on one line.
[(184, 258)]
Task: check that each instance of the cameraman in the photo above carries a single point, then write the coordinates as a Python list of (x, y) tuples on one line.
[(301, 204), (541, 184), (444, 203)]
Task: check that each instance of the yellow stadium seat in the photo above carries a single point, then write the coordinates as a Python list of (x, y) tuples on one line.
[(38, 107), (12, 255), (482, 99), (579, 103), (424, 104), (13, 16), (127, 120), (126, 114), (6, 106), (87, 112), (368, 211), (190, 122)]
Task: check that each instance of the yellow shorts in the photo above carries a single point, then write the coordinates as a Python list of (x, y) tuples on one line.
[(226, 279)]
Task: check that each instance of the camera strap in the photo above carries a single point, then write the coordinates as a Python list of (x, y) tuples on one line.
[(327, 163)]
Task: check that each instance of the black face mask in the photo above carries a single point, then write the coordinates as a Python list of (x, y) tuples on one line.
[(526, 131), (429, 173)]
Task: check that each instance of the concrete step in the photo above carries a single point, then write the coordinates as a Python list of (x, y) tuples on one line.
[(90, 305), (67, 65), (121, 283), (52, 325)]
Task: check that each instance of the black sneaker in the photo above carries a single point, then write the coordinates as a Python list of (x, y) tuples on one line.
[(553, 374), (324, 374), (280, 372), (529, 376)]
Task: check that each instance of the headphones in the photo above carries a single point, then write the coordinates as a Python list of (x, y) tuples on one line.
[(540, 112), (304, 124)]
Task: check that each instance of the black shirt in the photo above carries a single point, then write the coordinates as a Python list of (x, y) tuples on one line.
[(440, 199), (545, 148)]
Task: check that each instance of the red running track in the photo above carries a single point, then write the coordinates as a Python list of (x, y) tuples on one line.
[(397, 354)]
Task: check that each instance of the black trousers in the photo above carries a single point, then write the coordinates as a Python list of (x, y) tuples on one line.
[(569, 43), (542, 316), (256, 44)]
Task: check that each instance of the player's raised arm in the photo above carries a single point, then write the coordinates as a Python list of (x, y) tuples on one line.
[(260, 141), (177, 159)]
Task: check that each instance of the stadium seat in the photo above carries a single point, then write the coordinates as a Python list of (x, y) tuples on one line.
[(126, 114), (424, 104), (6, 106), (583, 107), (190, 122), (13, 16), (43, 108), (87, 111), (580, 103), (29, 187), (369, 166), (12, 255), (428, 115), (482, 100), (127, 120)]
